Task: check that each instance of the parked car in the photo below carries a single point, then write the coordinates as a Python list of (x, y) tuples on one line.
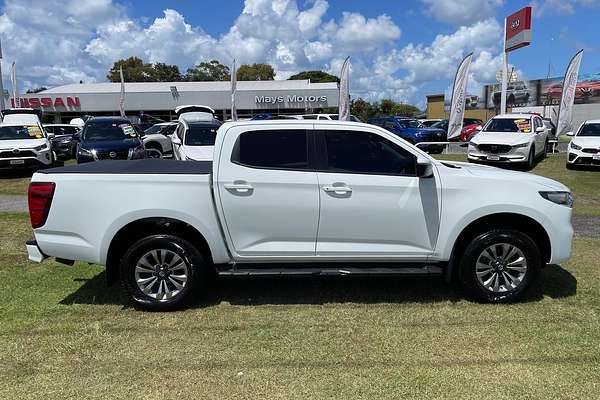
[(157, 140), (109, 138), (510, 138), (23, 141), (64, 143), (516, 93), (328, 117), (412, 131), (584, 148), (301, 198), (266, 116), (583, 92), (443, 123), (194, 141), (551, 128), (468, 131)]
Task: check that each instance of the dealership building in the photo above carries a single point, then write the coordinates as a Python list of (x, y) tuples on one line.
[(159, 99)]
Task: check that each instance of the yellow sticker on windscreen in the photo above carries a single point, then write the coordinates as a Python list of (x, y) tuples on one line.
[(128, 130), (523, 125), (35, 131)]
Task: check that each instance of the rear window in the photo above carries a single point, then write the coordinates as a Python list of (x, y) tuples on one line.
[(196, 136), (273, 149), (514, 125)]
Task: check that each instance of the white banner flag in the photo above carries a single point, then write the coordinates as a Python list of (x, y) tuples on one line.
[(344, 102), (233, 91), (567, 99), (2, 106), (13, 82), (459, 97), (122, 97)]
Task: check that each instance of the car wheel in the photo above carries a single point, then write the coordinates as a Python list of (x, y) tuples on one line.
[(153, 152), (499, 265), (531, 158), (163, 272), (570, 166)]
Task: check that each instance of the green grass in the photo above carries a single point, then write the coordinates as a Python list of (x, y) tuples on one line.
[(64, 335), (585, 184), (16, 182)]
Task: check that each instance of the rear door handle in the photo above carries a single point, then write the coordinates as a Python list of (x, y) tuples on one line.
[(337, 189)]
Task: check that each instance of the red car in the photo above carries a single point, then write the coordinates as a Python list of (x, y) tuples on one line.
[(583, 91), (469, 131)]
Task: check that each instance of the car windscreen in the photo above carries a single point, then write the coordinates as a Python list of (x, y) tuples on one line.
[(94, 131), (509, 125), (410, 123), (200, 136), (154, 129), (62, 130), (589, 130), (18, 132), (440, 124)]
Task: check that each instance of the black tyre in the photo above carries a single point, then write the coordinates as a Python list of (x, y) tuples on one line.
[(154, 151), (545, 153), (498, 266), (163, 272), (530, 163)]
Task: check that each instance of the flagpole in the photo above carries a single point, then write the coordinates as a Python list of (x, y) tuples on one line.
[(504, 74), (2, 105), (13, 79), (122, 96)]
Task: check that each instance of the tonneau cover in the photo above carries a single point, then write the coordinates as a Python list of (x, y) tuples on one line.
[(145, 166)]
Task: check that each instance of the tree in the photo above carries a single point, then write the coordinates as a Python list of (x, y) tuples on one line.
[(255, 72), (315, 76), (362, 109), (208, 71), (134, 70), (162, 72), (36, 90)]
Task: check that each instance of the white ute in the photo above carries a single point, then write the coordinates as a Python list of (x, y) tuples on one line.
[(510, 139), (300, 198)]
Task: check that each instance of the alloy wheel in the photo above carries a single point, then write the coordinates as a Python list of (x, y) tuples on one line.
[(161, 274), (501, 267)]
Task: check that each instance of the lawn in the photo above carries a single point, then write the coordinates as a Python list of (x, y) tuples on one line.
[(585, 184), (16, 182), (64, 335)]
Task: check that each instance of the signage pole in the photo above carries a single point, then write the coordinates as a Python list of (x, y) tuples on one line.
[(504, 73), (2, 106)]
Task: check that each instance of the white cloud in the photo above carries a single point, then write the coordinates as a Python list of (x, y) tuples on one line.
[(461, 11)]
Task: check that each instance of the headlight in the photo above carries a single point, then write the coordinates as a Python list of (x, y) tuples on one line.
[(562, 198), (41, 147), (517, 146), (575, 147), (85, 152)]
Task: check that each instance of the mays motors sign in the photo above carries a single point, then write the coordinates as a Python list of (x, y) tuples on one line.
[(56, 103), (518, 29), (290, 98)]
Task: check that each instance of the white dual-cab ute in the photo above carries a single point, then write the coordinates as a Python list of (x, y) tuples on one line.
[(300, 198)]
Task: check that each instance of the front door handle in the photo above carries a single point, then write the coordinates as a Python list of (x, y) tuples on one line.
[(238, 187), (337, 189)]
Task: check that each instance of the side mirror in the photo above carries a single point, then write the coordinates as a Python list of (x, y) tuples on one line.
[(424, 168), (176, 141), (540, 129), (50, 135), (479, 128), (570, 133)]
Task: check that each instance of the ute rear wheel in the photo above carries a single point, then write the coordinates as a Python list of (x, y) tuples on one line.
[(499, 266), (163, 272)]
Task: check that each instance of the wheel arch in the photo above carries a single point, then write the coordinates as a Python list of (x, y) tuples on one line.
[(135, 230), (521, 222)]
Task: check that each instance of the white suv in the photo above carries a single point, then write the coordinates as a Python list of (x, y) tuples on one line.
[(510, 139), (24, 142), (584, 148)]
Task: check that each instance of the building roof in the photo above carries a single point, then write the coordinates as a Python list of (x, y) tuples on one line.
[(153, 87)]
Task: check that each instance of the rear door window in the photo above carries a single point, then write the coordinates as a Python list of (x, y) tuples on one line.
[(272, 149)]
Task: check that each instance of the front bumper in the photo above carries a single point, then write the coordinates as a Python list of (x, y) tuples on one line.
[(578, 157), (42, 160), (34, 253), (515, 155)]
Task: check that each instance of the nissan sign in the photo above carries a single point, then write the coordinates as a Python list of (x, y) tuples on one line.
[(57, 103)]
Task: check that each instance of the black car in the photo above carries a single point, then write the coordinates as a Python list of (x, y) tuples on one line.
[(109, 138), (64, 142)]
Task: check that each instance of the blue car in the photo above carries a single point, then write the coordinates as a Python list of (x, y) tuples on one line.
[(412, 131), (109, 138)]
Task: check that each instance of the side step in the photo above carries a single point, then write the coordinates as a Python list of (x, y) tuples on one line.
[(427, 270)]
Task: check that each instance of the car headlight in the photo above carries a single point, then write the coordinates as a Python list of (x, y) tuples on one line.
[(41, 147), (562, 198), (517, 146), (575, 147)]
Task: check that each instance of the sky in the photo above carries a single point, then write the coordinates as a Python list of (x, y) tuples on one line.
[(399, 49)]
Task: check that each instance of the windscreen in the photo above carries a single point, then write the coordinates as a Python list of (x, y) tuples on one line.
[(410, 123), (200, 136), (509, 125), (154, 129), (18, 132), (95, 131), (589, 130)]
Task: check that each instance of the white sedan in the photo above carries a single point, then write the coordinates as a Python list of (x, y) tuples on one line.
[(195, 140), (510, 139), (584, 148)]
